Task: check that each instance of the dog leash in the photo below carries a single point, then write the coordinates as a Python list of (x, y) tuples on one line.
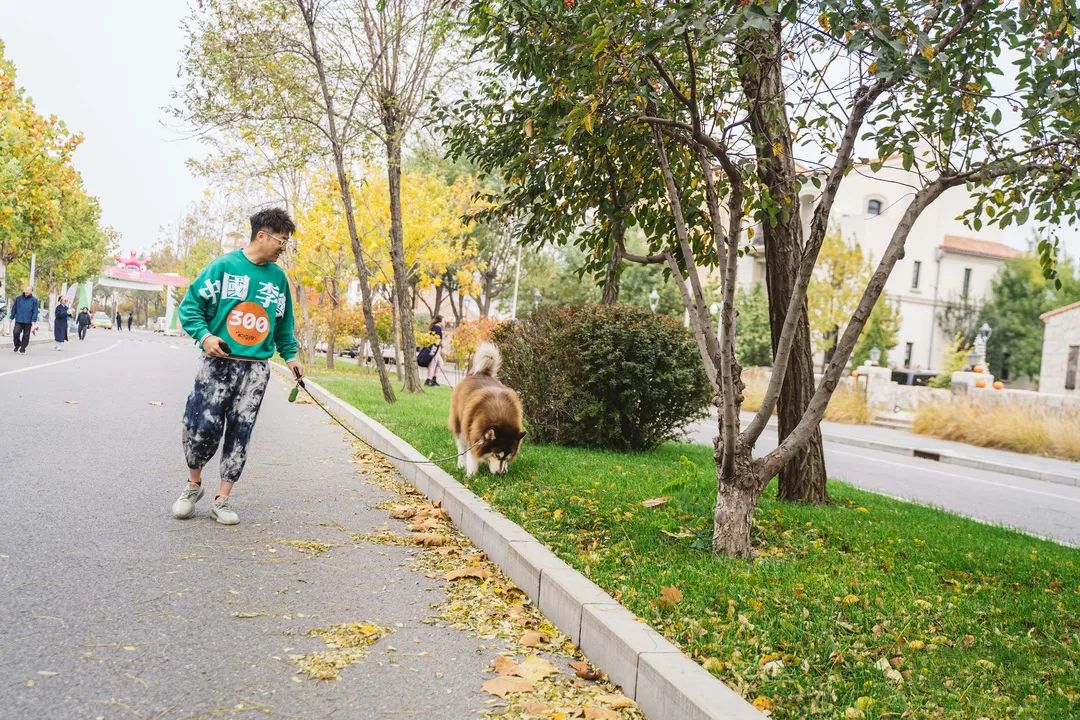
[(295, 392)]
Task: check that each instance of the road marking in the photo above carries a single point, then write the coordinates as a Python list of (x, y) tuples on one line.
[(58, 362), (962, 477)]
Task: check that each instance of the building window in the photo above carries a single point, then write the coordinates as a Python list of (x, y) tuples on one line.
[(1070, 367), (967, 282), (873, 207), (915, 275), (909, 350)]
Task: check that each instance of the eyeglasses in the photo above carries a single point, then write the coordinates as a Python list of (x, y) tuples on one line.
[(283, 241)]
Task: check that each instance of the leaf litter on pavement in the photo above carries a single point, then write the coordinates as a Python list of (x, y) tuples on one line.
[(481, 600), (347, 643)]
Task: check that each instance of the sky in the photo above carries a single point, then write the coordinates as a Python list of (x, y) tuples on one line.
[(106, 68)]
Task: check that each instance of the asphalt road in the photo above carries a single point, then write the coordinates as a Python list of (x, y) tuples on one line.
[(111, 608), (1044, 509)]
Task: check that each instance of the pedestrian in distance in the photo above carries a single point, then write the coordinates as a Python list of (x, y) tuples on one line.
[(119, 322), (24, 311), (435, 362), (83, 322), (60, 322), (239, 310), (130, 316)]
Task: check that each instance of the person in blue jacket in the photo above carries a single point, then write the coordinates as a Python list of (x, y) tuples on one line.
[(25, 313)]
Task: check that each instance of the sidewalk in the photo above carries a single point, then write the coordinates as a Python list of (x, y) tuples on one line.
[(907, 443)]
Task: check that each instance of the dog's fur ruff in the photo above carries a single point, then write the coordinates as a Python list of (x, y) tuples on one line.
[(485, 416)]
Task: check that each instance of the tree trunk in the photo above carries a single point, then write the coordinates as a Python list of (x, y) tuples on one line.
[(308, 11), (803, 478), (438, 300), (610, 294), (407, 371), (307, 335), (331, 348), (394, 316), (454, 307), (736, 498)]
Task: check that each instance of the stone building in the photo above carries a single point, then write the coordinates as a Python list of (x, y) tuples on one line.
[(1060, 372)]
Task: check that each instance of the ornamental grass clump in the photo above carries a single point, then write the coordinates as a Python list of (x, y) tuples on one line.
[(603, 376), (1016, 427)]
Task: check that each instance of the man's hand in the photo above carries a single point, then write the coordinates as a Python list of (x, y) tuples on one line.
[(297, 368), (214, 346)]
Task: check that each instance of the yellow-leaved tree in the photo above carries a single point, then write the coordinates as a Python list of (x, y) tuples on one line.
[(835, 289), (324, 262), (434, 233), (40, 191)]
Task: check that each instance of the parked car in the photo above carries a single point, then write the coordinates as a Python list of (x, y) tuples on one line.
[(904, 376), (353, 350), (101, 320)]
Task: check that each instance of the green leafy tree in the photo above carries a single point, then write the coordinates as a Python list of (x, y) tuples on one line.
[(1019, 294), (754, 345), (879, 332), (841, 274), (698, 111)]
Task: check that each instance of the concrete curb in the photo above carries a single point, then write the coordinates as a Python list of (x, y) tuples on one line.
[(951, 457), (666, 684)]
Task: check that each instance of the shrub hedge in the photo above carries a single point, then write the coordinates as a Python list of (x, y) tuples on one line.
[(615, 377)]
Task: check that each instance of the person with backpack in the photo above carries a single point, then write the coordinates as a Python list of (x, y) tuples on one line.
[(434, 353)]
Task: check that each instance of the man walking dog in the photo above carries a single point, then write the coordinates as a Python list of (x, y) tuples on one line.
[(239, 310)]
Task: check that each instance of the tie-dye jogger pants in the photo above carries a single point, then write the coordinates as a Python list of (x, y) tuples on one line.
[(226, 399)]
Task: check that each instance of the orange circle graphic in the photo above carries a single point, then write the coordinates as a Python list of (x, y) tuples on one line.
[(248, 323)]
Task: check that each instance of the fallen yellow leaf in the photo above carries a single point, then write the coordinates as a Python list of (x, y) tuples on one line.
[(670, 596), (507, 685), (532, 638), (535, 708), (654, 502), (480, 573), (504, 665), (535, 667)]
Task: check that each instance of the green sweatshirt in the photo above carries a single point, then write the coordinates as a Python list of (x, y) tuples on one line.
[(248, 306)]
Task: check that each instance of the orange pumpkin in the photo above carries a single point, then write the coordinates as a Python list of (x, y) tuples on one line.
[(978, 369), (998, 385), (980, 383)]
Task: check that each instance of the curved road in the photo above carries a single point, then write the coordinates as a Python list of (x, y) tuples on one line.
[(1036, 507)]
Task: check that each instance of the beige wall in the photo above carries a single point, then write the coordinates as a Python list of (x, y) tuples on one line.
[(1062, 331)]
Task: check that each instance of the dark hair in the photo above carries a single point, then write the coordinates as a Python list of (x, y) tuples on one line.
[(274, 219), (435, 321)]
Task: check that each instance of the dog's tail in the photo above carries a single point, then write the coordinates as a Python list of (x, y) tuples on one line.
[(487, 360)]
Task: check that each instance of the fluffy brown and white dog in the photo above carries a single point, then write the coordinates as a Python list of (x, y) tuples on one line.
[(485, 416)]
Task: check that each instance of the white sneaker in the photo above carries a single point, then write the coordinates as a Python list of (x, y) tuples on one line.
[(223, 512), (184, 507)]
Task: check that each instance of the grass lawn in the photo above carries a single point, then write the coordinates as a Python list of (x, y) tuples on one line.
[(869, 608)]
